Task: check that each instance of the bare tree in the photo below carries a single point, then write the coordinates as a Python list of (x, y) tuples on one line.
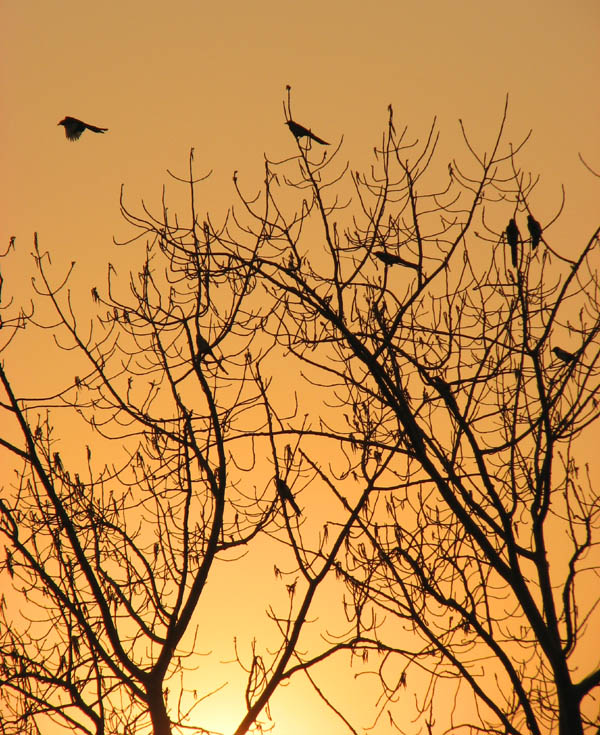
[(457, 368), (442, 374), (109, 544)]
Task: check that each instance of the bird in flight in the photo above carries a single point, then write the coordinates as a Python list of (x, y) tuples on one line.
[(74, 127), (286, 494), (299, 131), (512, 236), (535, 230), (391, 259), (566, 357)]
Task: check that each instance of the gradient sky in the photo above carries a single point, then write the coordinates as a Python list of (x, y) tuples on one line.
[(164, 77)]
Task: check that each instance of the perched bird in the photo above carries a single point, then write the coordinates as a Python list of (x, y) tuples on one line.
[(390, 259), (74, 127), (204, 349), (299, 131), (535, 230), (566, 357), (286, 494), (512, 237)]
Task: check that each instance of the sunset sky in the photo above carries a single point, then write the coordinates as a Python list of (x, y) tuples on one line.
[(166, 77)]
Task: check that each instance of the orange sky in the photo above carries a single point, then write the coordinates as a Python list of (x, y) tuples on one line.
[(167, 76), (164, 77)]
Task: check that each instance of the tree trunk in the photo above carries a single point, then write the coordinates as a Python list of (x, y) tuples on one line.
[(569, 716), (161, 724)]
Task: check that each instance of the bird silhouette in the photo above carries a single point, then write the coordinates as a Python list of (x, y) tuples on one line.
[(299, 131), (566, 357), (286, 494), (535, 230), (390, 259), (204, 349), (512, 237), (74, 127)]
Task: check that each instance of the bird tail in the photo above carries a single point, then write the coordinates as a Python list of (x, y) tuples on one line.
[(294, 505), (94, 129), (318, 140)]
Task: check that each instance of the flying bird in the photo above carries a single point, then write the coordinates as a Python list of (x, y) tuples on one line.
[(74, 127), (299, 131), (286, 494), (391, 259), (566, 357), (512, 236), (535, 230)]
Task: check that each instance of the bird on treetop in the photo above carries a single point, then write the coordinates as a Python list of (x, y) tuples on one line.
[(299, 131), (566, 357), (512, 237), (535, 230), (74, 127)]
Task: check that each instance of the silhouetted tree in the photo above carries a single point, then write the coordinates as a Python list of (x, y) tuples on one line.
[(429, 460), (473, 567), (109, 545)]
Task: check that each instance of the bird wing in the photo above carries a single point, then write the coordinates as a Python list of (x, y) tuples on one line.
[(296, 129), (73, 135), (73, 128)]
